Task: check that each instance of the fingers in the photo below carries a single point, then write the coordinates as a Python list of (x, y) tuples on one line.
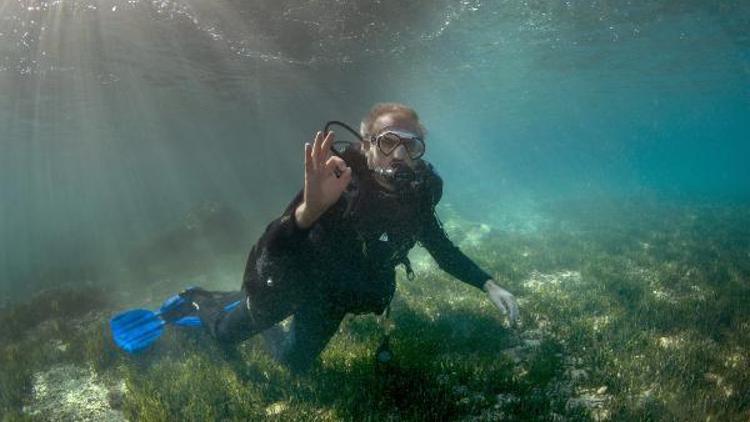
[(338, 167), (308, 158), (321, 148), (327, 144), (505, 301), (515, 315), (343, 178), (512, 307), (317, 145), (334, 162), (500, 304), (346, 176)]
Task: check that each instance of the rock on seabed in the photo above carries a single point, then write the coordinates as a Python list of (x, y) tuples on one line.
[(69, 392)]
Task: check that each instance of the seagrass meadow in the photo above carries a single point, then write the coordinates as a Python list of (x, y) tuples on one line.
[(633, 311)]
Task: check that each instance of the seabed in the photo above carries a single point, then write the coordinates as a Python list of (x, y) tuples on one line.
[(631, 311)]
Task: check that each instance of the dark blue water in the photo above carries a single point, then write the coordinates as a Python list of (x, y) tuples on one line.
[(119, 117)]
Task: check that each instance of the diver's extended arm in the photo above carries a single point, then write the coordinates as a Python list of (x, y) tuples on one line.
[(284, 233), (450, 258)]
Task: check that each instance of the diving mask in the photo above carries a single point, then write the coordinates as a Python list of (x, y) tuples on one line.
[(403, 177), (391, 138)]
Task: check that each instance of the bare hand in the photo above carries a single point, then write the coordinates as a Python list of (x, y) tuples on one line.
[(326, 177), (504, 300)]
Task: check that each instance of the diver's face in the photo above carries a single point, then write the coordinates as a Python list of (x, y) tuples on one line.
[(375, 156)]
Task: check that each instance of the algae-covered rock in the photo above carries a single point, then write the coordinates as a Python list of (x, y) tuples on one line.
[(61, 302)]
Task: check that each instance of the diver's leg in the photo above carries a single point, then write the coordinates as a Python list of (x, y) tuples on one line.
[(313, 325), (240, 323), (246, 321)]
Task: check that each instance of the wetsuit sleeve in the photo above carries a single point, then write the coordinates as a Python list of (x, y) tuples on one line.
[(448, 256), (276, 255), (283, 233)]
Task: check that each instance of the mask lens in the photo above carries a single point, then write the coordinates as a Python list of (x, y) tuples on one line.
[(388, 142), (414, 147)]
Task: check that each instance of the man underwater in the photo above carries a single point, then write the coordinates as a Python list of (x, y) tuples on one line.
[(335, 248)]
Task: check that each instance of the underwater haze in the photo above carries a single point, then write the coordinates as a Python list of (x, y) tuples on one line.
[(119, 116), (594, 155)]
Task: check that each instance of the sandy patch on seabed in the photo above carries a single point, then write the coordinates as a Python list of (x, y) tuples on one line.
[(69, 392)]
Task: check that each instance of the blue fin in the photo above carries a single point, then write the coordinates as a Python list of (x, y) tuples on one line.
[(135, 330), (189, 321)]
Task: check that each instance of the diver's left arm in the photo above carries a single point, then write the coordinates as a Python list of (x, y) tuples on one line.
[(453, 261)]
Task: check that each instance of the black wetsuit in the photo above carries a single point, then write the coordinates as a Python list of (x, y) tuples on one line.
[(344, 263)]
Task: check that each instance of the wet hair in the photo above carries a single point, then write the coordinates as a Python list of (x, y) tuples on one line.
[(379, 109)]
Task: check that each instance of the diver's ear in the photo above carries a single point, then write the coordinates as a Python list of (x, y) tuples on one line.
[(365, 145)]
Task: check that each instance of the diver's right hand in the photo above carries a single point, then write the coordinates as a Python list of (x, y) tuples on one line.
[(326, 177)]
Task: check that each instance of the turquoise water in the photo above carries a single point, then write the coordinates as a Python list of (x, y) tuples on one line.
[(119, 116), (594, 155)]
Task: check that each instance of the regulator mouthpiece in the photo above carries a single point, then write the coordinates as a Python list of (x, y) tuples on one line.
[(400, 175)]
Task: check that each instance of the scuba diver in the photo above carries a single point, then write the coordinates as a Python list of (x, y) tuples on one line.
[(334, 249)]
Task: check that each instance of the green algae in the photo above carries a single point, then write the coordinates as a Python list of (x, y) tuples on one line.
[(632, 313)]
